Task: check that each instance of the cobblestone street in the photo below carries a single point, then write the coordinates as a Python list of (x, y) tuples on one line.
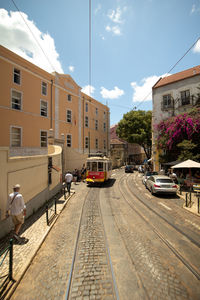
[(122, 249)]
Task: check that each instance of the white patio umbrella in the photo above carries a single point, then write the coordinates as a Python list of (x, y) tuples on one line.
[(187, 164)]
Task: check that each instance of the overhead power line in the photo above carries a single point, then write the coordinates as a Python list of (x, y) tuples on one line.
[(171, 69), (34, 36)]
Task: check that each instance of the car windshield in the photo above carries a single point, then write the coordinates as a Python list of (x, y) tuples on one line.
[(151, 173), (163, 180)]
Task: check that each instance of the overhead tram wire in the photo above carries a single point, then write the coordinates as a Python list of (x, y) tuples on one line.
[(171, 69), (34, 36)]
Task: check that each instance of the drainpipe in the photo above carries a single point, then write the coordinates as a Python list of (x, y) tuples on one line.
[(51, 112)]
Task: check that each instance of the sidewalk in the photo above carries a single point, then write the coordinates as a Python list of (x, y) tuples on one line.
[(35, 229), (193, 206)]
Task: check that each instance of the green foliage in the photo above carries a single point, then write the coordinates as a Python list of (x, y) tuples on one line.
[(187, 150), (135, 127)]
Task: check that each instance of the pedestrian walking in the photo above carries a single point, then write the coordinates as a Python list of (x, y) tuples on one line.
[(17, 209), (68, 180)]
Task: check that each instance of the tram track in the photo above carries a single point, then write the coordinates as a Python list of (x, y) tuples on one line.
[(91, 269), (161, 237)]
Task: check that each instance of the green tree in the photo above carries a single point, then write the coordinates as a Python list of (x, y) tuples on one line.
[(135, 127), (187, 150)]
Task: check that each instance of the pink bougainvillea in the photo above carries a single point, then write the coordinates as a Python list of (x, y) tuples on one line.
[(176, 129)]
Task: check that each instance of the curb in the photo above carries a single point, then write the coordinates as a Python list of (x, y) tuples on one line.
[(15, 285)]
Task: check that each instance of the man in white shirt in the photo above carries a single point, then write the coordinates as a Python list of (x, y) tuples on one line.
[(17, 209), (68, 180)]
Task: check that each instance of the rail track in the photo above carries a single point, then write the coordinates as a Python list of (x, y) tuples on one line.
[(178, 255), (156, 279), (91, 271)]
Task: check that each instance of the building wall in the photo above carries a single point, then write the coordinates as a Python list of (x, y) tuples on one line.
[(32, 174), (174, 89), (29, 118)]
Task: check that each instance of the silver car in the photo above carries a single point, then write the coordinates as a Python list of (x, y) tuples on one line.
[(161, 184), (146, 175)]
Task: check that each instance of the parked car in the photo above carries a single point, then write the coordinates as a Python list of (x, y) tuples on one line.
[(129, 169), (147, 175), (161, 184)]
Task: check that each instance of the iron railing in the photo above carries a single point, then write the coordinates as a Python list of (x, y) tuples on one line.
[(50, 212), (5, 278)]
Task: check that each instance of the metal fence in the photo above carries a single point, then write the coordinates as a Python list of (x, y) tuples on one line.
[(6, 272), (51, 212)]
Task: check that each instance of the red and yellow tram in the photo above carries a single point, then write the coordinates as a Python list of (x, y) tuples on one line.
[(98, 169)]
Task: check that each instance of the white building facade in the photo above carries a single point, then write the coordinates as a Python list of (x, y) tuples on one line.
[(173, 95)]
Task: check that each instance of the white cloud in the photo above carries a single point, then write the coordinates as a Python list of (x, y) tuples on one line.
[(71, 68), (143, 92), (197, 47), (194, 9), (15, 35), (112, 94), (115, 15), (114, 29), (88, 89)]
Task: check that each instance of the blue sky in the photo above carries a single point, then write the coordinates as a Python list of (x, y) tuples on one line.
[(134, 42)]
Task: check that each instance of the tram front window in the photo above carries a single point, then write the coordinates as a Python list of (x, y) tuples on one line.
[(100, 166), (94, 166)]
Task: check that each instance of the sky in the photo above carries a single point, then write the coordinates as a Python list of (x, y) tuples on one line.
[(133, 43)]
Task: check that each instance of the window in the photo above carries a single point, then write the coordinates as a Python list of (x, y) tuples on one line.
[(100, 166), (96, 124), (69, 116), (185, 97), (16, 100), (167, 101), (97, 143), (86, 107), (96, 111), (86, 142), (43, 138), (15, 137), (94, 166), (104, 114), (104, 144), (69, 140), (43, 108), (69, 97), (104, 127), (86, 121), (16, 76), (44, 88)]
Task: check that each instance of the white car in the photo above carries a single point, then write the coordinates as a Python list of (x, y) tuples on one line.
[(147, 175), (161, 184)]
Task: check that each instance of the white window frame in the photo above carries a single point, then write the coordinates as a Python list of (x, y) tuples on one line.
[(18, 127), (42, 88), (18, 75), (69, 110), (41, 100), (41, 137), (86, 142), (69, 97), (13, 90), (97, 143), (96, 124), (87, 122), (69, 135)]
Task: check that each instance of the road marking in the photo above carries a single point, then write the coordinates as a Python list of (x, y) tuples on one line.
[(165, 206), (147, 195), (139, 188), (113, 175), (194, 224)]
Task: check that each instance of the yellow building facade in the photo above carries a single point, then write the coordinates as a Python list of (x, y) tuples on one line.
[(35, 104)]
